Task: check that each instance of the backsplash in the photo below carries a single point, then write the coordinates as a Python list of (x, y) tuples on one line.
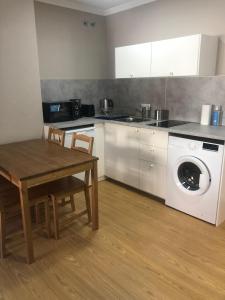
[(89, 91), (183, 96), (130, 93)]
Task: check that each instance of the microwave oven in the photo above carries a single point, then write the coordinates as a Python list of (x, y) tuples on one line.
[(61, 111)]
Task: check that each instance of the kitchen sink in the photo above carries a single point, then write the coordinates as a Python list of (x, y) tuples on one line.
[(129, 119)]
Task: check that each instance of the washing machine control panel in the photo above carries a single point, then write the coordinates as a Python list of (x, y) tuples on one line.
[(210, 147)]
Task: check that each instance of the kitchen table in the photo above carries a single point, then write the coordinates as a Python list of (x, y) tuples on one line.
[(34, 162)]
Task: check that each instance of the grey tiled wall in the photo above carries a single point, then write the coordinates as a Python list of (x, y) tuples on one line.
[(130, 93), (183, 96), (89, 91)]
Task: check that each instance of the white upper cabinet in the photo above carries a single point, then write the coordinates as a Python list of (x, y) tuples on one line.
[(185, 56), (133, 61)]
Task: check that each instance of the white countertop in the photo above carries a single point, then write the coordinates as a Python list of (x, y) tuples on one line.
[(194, 129), (213, 132)]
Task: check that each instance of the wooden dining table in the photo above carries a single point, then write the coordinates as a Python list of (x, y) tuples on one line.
[(34, 162)]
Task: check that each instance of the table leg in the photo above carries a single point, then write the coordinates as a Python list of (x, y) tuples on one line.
[(94, 198), (26, 218)]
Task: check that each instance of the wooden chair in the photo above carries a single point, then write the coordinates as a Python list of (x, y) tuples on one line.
[(69, 186), (10, 207), (56, 136)]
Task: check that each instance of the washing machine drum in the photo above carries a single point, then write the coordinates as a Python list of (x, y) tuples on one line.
[(192, 175)]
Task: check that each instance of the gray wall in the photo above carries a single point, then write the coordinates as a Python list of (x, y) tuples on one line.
[(167, 19), (67, 48), (89, 91), (20, 105), (183, 96)]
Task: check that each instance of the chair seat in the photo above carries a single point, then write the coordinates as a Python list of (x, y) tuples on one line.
[(65, 186), (10, 197), (5, 184), (59, 188)]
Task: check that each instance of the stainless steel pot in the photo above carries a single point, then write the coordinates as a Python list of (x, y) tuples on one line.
[(106, 105), (161, 114)]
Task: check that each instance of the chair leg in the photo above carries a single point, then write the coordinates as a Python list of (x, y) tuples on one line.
[(47, 219), (2, 235), (88, 205), (72, 202), (63, 202), (55, 216), (37, 214)]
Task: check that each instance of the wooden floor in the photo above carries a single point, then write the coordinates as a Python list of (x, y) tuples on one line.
[(143, 250)]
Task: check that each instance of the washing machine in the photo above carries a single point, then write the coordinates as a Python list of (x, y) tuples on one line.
[(193, 175)]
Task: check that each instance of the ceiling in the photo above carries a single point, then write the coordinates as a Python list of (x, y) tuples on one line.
[(100, 7)]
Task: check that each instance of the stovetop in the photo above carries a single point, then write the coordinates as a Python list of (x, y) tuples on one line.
[(168, 124)]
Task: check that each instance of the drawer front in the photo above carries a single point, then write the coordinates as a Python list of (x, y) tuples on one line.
[(153, 178), (150, 153), (152, 137), (146, 177)]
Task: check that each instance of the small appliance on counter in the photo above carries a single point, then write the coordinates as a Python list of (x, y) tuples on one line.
[(76, 108), (58, 111), (161, 114), (106, 106), (146, 111), (87, 110)]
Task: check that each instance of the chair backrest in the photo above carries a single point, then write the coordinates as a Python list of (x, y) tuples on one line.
[(56, 136), (83, 141), (86, 143)]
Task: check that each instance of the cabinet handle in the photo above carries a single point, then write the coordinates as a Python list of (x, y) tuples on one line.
[(151, 166)]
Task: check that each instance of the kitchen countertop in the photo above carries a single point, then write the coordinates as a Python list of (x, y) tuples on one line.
[(86, 121), (194, 129)]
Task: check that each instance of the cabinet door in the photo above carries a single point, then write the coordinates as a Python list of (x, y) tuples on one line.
[(122, 153), (147, 177), (154, 154), (153, 178), (178, 57), (155, 138), (99, 149), (133, 61)]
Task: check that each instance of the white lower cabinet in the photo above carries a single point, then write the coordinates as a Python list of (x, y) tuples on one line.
[(99, 149), (153, 161), (137, 157), (122, 153), (153, 178)]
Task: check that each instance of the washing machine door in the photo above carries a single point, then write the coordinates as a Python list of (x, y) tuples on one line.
[(192, 175)]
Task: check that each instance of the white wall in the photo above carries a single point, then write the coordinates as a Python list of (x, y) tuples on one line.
[(167, 19), (20, 98), (67, 48)]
